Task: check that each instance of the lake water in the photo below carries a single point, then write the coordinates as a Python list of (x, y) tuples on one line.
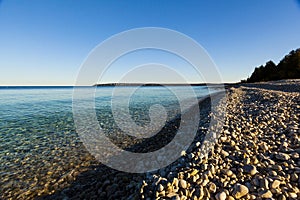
[(38, 141)]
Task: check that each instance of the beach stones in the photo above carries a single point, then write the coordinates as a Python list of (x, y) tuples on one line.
[(250, 169), (255, 157), (212, 187), (221, 196), (275, 184), (160, 187), (282, 156), (182, 184), (266, 194), (224, 153), (240, 191)]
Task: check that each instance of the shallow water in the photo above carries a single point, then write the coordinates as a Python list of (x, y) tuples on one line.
[(38, 141)]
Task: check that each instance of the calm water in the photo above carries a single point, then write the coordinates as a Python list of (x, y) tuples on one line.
[(38, 141)]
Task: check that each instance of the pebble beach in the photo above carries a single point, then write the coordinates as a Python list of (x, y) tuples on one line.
[(255, 157)]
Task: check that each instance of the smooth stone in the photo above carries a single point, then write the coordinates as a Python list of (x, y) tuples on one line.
[(250, 169), (282, 156), (182, 184), (221, 196), (175, 182), (277, 167), (201, 192), (266, 194), (285, 144), (160, 187), (171, 195), (275, 184), (281, 197), (183, 198), (230, 198), (183, 153), (264, 146), (212, 187), (176, 198), (194, 172), (255, 181), (294, 177), (293, 195), (206, 192), (162, 193), (240, 191), (224, 153), (229, 172), (205, 182), (264, 183)]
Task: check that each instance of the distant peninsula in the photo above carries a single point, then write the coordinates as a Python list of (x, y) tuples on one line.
[(156, 84)]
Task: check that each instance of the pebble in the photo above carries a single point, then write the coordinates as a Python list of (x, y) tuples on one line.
[(264, 183), (240, 191), (265, 194), (224, 153), (229, 173), (250, 169), (275, 184), (212, 187), (282, 156), (182, 184), (160, 187), (255, 157), (221, 196)]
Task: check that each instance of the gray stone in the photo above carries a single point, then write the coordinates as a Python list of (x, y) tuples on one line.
[(294, 177), (282, 156), (264, 183), (250, 169)]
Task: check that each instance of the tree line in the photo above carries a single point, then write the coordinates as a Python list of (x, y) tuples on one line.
[(287, 68)]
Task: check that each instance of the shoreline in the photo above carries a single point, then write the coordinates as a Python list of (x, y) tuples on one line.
[(256, 156), (102, 182)]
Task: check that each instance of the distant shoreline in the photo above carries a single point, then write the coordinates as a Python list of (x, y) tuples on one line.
[(162, 84), (116, 85)]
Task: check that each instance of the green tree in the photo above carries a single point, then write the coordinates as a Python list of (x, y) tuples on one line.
[(288, 68)]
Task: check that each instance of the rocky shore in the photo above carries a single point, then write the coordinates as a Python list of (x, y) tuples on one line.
[(255, 157)]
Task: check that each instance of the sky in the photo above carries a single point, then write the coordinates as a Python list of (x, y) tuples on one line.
[(46, 42)]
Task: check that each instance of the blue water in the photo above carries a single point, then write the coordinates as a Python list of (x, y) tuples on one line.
[(37, 131)]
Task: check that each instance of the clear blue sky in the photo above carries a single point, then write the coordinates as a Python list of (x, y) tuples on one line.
[(45, 42)]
